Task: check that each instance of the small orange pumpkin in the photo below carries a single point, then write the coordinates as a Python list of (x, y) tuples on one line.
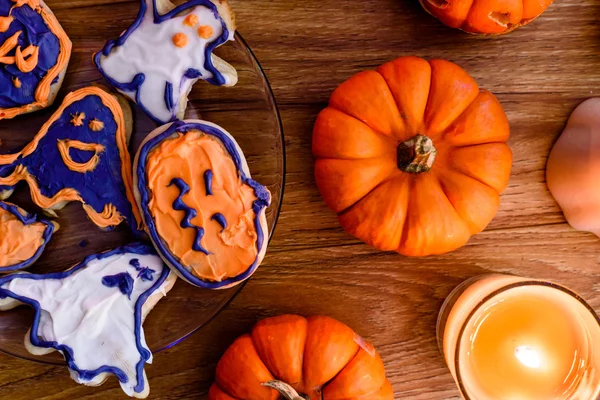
[(300, 358), (489, 17), (412, 157)]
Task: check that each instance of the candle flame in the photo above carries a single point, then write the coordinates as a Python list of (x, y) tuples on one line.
[(528, 356)]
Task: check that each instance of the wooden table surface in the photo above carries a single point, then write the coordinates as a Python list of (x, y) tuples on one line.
[(539, 73)]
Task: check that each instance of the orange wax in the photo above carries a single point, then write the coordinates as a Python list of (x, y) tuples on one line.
[(506, 337), (525, 344)]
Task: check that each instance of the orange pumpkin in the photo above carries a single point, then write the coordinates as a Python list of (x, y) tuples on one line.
[(490, 17), (412, 157), (300, 358)]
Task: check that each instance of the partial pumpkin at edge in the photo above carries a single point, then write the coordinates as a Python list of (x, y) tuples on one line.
[(316, 357), (486, 17)]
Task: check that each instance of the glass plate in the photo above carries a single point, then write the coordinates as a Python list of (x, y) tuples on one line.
[(248, 111)]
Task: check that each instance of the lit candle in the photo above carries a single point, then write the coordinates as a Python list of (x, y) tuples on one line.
[(505, 337)]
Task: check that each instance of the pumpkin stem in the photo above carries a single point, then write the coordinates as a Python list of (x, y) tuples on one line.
[(416, 155), (284, 389)]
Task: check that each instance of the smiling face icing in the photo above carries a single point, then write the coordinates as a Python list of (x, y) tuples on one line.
[(92, 313), (158, 59), (201, 208), (80, 154)]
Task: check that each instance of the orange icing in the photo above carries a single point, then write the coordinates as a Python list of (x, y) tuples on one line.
[(205, 31), (29, 64), (21, 174), (69, 194), (19, 57), (109, 216), (29, 50), (31, 3), (180, 39), (188, 156), (65, 145), (96, 125), (10, 44), (18, 242), (77, 119), (42, 92), (5, 23), (191, 20), (16, 82)]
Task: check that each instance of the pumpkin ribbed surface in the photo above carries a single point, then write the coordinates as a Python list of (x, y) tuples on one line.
[(412, 157), (486, 16), (319, 357)]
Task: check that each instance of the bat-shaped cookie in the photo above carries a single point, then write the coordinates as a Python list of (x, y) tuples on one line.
[(165, 51)]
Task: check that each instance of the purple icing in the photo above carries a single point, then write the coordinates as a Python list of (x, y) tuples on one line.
[(136, 248), (169, 96), (263, 199), (97, 188), (123, 281), (27, 219), (220, 219), (36, 32), (193, 73), (134, 86), (146, 273), (190, 214), (208, 177)]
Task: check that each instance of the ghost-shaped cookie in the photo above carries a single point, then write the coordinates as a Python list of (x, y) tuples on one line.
[(165, 51), (93, 313)]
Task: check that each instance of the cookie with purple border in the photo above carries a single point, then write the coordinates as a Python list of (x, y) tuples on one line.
[(34, 55), (93, 313), (169, 47), (23, 237), (202, 210)]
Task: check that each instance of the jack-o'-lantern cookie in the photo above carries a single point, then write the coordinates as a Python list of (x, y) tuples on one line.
[(165, 51), (23, 237), (34, 54), (203, 212), (79, 154), (93, 313)]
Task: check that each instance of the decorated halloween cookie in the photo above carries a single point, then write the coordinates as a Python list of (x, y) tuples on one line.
[(22, 237), (203, 212), (34, 54), (93, 313), (165, 51), (80, 154)]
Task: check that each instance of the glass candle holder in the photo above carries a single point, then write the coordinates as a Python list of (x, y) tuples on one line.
[(507, 337)]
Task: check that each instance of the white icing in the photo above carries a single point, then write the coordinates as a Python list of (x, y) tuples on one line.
[(150, 50), (95, 321)]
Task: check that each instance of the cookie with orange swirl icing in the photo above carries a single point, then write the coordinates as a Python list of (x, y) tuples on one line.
[(23, 237), (34, 54), (202, 210)]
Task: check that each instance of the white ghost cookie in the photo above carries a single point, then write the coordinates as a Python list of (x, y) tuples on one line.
[(93, 313), (165, 51)]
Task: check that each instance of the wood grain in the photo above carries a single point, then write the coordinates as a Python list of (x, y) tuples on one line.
[(539, 73)]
